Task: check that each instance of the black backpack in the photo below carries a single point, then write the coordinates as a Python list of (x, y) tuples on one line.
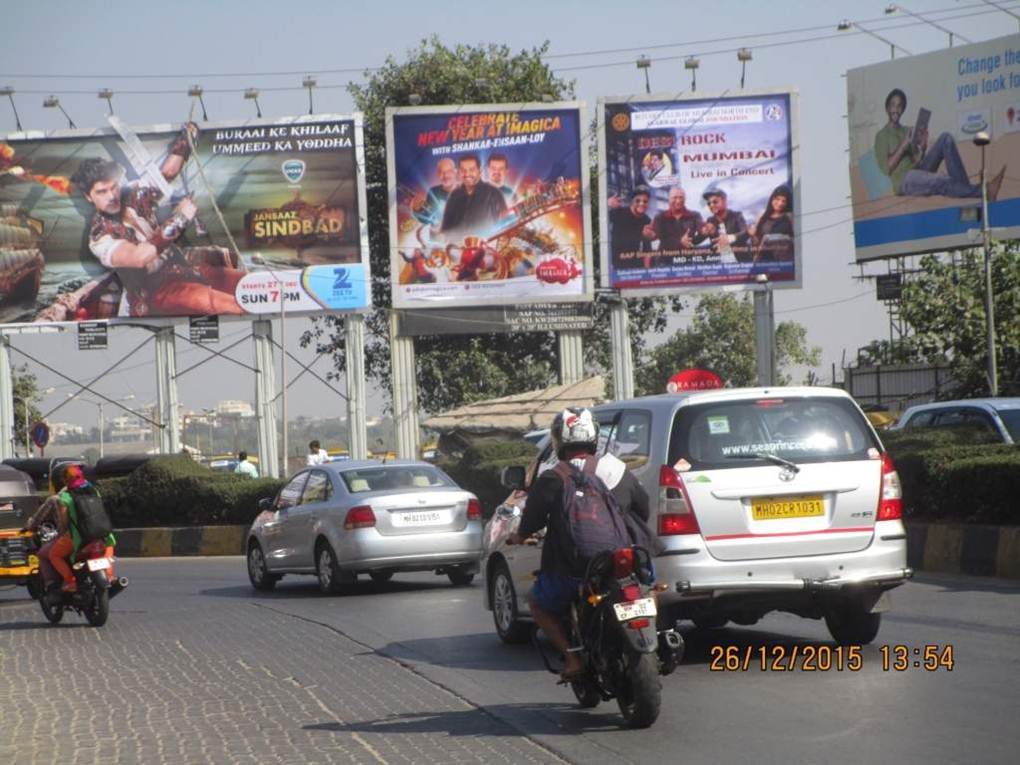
[(591, 522), (92, 519)]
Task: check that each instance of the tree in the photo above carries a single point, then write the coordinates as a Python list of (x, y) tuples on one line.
[(721, 338), (455, 369), (26, 390), (944, 306)]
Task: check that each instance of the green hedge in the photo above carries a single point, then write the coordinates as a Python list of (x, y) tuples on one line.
[(955, 474), (479, 469), (177, 491)]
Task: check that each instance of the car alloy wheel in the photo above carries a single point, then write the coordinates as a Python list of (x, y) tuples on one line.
[(509, 627)]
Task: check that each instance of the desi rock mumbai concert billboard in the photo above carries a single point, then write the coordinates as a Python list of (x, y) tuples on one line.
[(915, 172), (488, 205), (698, 192), (117, 223)]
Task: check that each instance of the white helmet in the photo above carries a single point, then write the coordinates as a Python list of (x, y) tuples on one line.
[(576, 427)]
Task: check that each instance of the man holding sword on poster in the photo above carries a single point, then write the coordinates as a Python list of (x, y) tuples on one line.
[(159, 278)]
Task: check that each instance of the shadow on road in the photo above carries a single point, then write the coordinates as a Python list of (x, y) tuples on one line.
[(481, 722), (42, 624), (302, 587), (967, 583), (699, 643), (482, 650)]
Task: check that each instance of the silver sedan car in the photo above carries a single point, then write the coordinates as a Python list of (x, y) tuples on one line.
[(342, 519)]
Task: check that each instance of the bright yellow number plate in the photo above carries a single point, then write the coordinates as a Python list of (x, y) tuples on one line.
[(769, 508)]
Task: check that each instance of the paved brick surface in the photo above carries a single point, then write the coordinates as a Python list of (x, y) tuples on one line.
[(224, 681)]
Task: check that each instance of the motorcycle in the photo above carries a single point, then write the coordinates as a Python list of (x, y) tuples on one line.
[(93, 568), (613, 627)]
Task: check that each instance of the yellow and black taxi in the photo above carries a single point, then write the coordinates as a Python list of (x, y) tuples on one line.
[(18, 500)]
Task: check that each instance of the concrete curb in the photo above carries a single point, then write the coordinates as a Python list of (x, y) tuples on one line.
[(955, 548), (963, 548), (186, 540)]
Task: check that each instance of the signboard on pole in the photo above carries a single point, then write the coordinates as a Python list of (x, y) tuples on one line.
[(488, 205), (40, 434), (698, 192), (888, 286), (915, 171), (204, 329), (540, 317), (120, 223), (92, 336)]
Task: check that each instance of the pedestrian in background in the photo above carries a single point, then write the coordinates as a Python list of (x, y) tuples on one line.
[(316, 454), (244, 467)]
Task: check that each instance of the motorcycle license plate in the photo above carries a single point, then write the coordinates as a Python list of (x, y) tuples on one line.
[(99, 564), (634, 609)]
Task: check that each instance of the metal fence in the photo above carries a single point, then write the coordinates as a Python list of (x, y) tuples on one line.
[(896, 386)]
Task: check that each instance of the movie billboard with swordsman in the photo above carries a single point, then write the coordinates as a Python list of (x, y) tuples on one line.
[(186, 220), (698, 192), (488, 205)]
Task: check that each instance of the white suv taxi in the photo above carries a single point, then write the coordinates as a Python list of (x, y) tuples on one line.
[(764, 499)]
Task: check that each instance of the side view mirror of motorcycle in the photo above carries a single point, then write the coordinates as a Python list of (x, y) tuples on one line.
[(512, 477)]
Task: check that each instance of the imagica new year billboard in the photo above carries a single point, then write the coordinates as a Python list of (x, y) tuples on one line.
[(488, 205), (118, 223), (915, 172), (698, 192)]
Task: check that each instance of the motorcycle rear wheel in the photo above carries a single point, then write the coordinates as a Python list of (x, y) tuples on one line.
[(640, 694), (97, 610)]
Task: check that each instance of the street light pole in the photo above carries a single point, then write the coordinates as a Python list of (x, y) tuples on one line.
[(982, 140)]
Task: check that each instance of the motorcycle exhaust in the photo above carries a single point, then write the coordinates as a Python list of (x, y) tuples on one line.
[(119, 585), (671, 651)]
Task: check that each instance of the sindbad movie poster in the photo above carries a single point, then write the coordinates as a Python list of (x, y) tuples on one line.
[(699, 192), (120, 222), (488, 205)]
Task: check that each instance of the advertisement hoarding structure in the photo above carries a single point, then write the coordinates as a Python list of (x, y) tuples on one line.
[(127, 247), (489, 205), (914, 168), (728, 157)]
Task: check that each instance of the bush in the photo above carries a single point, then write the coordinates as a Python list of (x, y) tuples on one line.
[(177, 491), (479, 469), (955, 474)]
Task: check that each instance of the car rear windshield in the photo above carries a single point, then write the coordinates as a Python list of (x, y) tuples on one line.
[(388, 477), (1011, 419), (804, 429)]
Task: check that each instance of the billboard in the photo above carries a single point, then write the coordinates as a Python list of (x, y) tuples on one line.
[(118, 224), (914, 168), (698, 192), (488, 205)]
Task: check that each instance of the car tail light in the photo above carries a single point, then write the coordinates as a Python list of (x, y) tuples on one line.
[(623, 562), (631, 592), (890, 501), (474, 511), (360, 517), (676, 514)]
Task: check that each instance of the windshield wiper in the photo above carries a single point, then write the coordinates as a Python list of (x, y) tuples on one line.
[(774, 459)]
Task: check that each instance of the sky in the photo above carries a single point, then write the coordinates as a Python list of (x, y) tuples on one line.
[(73, 48)]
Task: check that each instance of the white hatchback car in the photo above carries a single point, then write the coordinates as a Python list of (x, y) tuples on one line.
[(764, 499)]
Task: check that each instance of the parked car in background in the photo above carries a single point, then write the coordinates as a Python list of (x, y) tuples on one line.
[(764, 499), (1000, 416), (341, 519)]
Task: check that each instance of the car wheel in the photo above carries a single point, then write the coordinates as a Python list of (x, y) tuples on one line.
[(503, 597), (258, 572), (381, 576), (331, 578), (459, 577), (850, 624)]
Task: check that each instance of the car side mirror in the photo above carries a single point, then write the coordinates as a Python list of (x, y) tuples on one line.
[(512, 477), (265, 504)]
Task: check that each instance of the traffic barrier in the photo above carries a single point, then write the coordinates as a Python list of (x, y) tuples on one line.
[(185, 540)]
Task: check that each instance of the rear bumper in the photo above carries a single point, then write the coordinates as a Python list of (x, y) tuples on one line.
[(367, 549), (882, 580)]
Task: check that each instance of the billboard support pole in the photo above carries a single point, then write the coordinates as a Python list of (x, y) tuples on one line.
[(6, 401), (982, 140), (571, 356), (765, 332), (623, 359), (166, 391), (354, 346), (405, 398), (265, 416)]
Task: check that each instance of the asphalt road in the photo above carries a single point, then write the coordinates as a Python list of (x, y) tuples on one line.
[(195, 667)]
